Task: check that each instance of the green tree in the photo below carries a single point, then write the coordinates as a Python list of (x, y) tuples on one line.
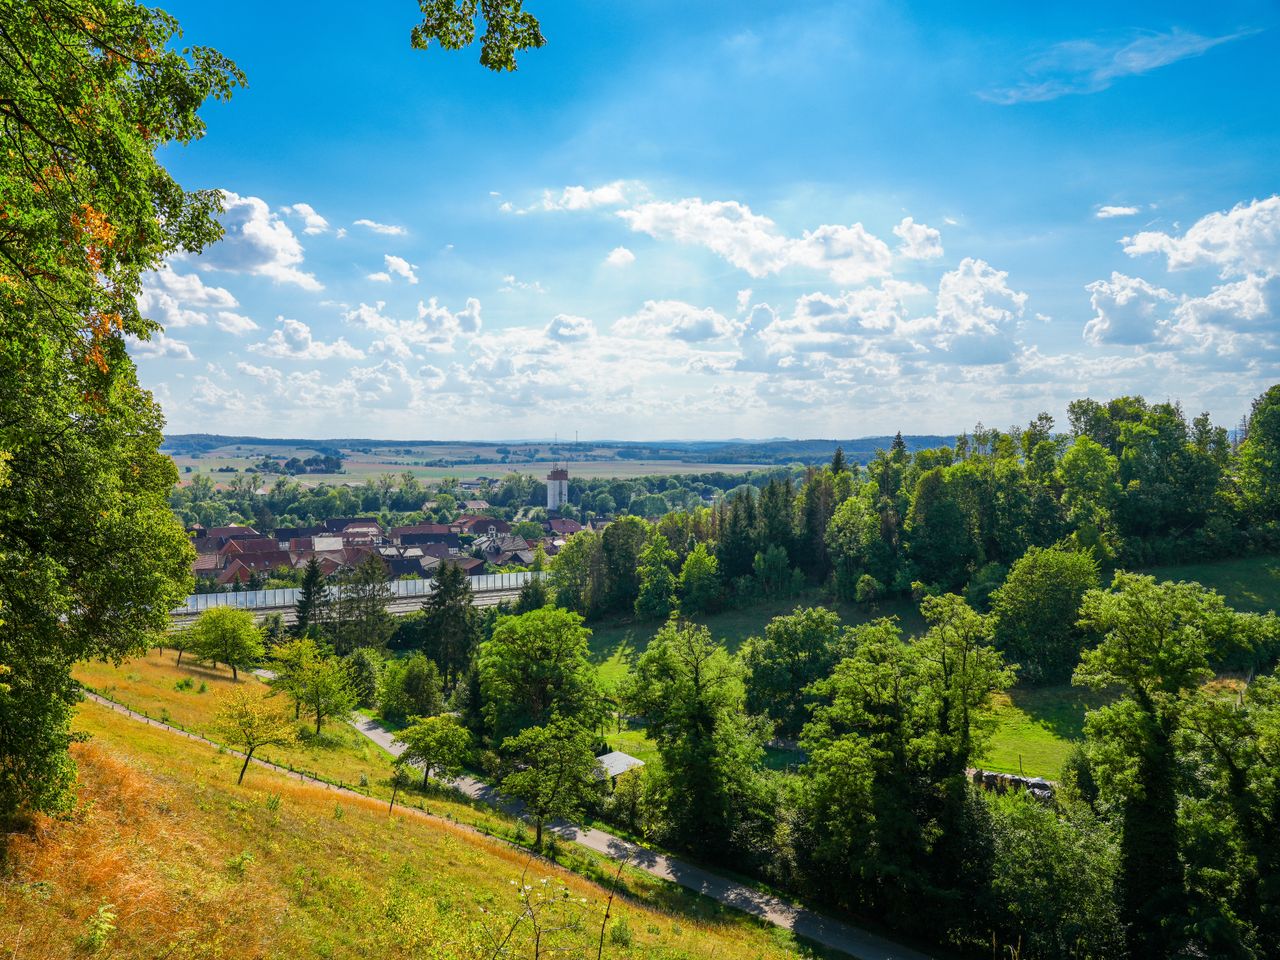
[(355, 615), (577, 574), (247, 721), (535, 667), (312, 596), (1037, 609), (533, 595), (323, 687), (699, 582), (364, 669), (1260, 458), (795, 651), (622, 544), (1157, 641), (436, 744), (410, 688), (773, 571), (227, 635), (553, 772), (450, 626), (87, 97), (690, 692), (657, 596), (941, 540)]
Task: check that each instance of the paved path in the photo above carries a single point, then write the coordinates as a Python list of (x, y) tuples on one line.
[(828, 931)]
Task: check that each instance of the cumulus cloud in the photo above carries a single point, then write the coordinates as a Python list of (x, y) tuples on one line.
[(1126, 311), (619, 257), (312, 222), (400, 267), (919, 242), (510, 285), (293, 340), (234, 323), (159, 347), (387, 229), (1090, 66), (678, 321), (1243, 240), (585, 198), (434, 328), (1106, 213), (180, 300), (568, 328), (256, 241), (976, 316), (753, 243)]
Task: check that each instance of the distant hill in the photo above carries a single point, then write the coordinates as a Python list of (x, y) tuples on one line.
[(446, 452)]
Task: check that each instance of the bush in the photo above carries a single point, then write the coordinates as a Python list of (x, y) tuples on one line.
[(868, 590)]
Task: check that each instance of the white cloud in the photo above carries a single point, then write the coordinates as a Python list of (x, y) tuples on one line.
[(585, 198), (566, 327), (744, 299), (293, 341), (919, 242), (400, 267), (1106, 213), (1088, 66), (510, 285), (387, 229), (754, 244), (235, 323), (678, 321), (312, 222), (380, 277), (1126, 311), (159, 347), (619, 257), (435, 328), (976, 317), (1245, 239), (256, 241), (179, 300)]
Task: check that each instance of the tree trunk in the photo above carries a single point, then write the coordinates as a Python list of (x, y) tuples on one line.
[(426, 773), (319, 720), (234, 677), (537, 833), (179, 658), (247, 757)]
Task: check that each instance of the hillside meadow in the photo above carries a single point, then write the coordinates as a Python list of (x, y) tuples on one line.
[(165, 856)]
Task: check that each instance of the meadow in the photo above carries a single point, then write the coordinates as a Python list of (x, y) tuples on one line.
[(165, 856)]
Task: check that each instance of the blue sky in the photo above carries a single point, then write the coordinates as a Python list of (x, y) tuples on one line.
[(727, 219)]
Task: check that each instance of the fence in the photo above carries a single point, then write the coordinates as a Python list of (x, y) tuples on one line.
[(288, 596)]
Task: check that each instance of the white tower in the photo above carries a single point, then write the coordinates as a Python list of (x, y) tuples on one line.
[(557, 488)]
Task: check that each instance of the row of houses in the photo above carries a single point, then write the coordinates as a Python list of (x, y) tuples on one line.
[(234, 554)]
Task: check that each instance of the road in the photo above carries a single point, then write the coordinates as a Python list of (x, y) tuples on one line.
[(821, 929)]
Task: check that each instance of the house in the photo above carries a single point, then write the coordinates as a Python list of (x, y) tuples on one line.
[(470, 565), (244, 565), (289, 534), (559, 526), (504, 548), (479, 526), (615, 764), (253, 545), (422, 533), (231, 533), (205, 565), (474, 505)]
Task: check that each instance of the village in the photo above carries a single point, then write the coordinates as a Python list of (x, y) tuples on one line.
[(241, 557)]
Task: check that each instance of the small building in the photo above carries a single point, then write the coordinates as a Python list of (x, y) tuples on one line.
[(615, 764)]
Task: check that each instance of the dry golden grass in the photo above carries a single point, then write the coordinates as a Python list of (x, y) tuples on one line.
[(190, 865)]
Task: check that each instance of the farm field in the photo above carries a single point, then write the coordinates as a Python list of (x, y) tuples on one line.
[(359, 470), (168, 857)]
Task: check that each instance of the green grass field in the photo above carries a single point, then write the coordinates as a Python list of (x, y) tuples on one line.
[(1248, 583)]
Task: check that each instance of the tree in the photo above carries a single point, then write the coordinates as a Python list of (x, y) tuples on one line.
[(1157, 641), (355, 614), (553, 771), (1037, 609), (1260, 458), (535, 667), (509, 29), (690, 692), (437, 744), (622, 544), (364, 670), (450, 626), (772, 571), (577, 574), (247, 720), (410, 688), (941, 541), (227, 635), (533, 595), (312, 596), (699, 582), (87, 96), (657, 594), (322, 686), (795, 651)]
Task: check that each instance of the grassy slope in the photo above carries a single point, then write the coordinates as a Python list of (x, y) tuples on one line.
[(192, 865), (1248, 583)]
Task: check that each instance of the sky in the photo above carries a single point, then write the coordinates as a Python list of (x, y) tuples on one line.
[(726, 219)]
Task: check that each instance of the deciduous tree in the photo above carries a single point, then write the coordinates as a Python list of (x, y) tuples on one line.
[(247, 720)]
